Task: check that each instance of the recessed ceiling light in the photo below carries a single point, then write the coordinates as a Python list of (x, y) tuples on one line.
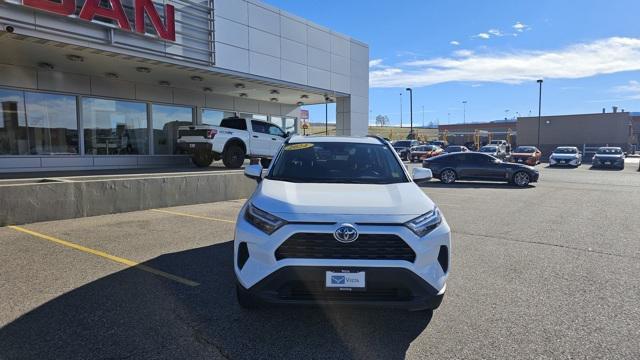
[(76, 58), (239, 86), (196, 78), (243, 95), (143, 69), (299, 103), (304, 96), (274, 99), (46, 66), (207, 89), (164, 83), (274, 92), (111, 75)]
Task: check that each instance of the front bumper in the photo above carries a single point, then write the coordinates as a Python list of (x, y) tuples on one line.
[(394, 283), (565, 162), (613, 163), (388, 287), (525, 160)]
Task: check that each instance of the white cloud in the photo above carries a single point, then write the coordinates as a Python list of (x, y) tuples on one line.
[(495, 32), (454, 42), (375, 63), (484, 36), (520, 27), (605, 56), (463, 53), (631, 89)]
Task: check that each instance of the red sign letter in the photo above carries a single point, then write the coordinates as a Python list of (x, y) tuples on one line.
[(65, 7), (167, 31), (92, 8)]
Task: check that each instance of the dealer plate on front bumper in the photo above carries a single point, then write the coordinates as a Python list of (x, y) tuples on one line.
[(192, 146), (345, 280)]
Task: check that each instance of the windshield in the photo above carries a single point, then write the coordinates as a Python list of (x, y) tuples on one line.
[(489, 149), (431, 148), (525, 149), (337, 162), (609, 151), (565, 151), (402, 144)]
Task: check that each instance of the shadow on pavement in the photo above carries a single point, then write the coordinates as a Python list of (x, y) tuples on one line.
[(134, 314)]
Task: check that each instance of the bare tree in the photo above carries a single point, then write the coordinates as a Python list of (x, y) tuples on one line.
[(382, 120)]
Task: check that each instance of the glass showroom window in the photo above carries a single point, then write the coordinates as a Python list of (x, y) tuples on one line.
[(37, 123), (286, 123), (166, 120), (13, 124), (53, 124), (114, 127), (213, 117), (254, 116)]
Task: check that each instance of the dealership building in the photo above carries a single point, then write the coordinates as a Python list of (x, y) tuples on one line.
[(90, 84), (586, 131)]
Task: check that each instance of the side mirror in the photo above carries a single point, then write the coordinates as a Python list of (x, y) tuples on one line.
[(421, 175), (286, 135), (254, 172)]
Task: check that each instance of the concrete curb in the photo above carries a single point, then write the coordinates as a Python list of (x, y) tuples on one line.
[(29, 203)]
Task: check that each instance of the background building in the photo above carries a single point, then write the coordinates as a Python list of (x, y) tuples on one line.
[(84, 87), (584, 130), (461, 134)]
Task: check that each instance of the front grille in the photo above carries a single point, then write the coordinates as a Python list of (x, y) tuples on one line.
[(193, 132), (325, 246), (316, 291)]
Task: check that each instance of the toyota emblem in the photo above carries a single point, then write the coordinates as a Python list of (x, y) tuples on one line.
[(346, 233)]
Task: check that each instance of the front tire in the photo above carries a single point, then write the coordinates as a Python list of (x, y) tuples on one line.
[(202, 158), (233, 157), (448, 176), (521, 179)]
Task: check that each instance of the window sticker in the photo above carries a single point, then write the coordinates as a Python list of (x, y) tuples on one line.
[(298, 146)]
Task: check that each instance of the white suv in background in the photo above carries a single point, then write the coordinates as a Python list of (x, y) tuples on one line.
[(338, 220)]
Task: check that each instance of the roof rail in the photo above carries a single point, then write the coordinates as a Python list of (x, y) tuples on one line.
[(381, 139)]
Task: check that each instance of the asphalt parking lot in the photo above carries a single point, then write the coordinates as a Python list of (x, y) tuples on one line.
[(548, 271)]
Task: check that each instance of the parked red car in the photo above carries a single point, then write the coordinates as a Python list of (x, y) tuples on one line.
[(431, 151), (529, 155)]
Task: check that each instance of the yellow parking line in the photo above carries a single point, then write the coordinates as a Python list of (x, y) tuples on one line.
[(192, 216), (107, 256)]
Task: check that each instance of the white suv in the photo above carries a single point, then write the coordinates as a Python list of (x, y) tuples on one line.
[(338, 220)]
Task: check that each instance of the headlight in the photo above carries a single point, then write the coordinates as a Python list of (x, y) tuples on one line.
[(424, 224), (263, 220)]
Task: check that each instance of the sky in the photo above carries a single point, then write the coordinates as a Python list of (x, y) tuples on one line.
[(489, 54)]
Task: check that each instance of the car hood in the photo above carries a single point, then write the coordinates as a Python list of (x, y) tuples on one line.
[(314, 201), (564, 156), (613, 156)]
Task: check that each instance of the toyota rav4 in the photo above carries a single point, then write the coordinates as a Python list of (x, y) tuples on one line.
[(338, 220)]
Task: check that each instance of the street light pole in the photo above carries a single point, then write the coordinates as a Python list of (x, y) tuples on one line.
[(410, 109), (326, 117), (464, 112), (400, 110), (539, 109)]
